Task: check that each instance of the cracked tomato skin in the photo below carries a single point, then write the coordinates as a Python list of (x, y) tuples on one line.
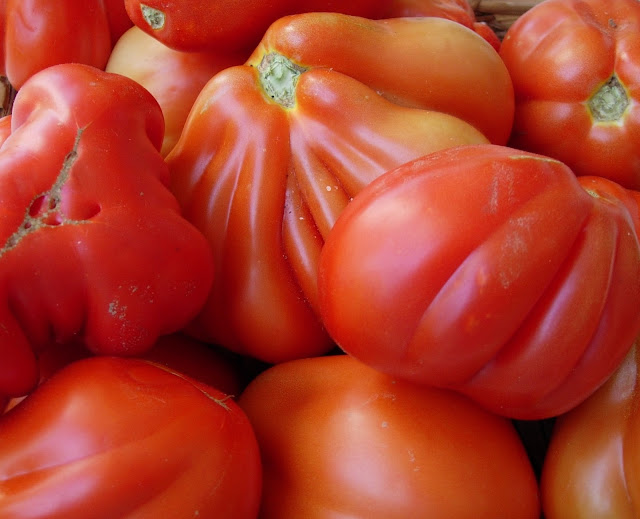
[(93, 244), (266, 198), (489, 270), (35, 34), (574, 65), (340, 439), (126, 438)]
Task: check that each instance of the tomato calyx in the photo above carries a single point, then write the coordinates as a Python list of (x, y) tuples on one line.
[(609, 102), (154, 17), (279, 77)]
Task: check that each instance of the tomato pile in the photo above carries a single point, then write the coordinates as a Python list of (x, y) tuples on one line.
[(299, 260)]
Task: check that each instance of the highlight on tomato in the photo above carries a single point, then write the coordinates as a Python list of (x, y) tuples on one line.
[(488, 270)]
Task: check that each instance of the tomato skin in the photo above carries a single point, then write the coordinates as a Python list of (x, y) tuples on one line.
[(466, 77), (177, 352), (591, 466), (201, 25), (560, 54), (79, 232), (174, 78), (265, 199), (478, 283), (125, 438), (339, 439), (36, 34)]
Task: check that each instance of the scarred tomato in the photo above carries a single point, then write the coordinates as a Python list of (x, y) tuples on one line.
[(490, 270), (339, 439), (93, 246), (274, 149), (574, 65), (110, 437)]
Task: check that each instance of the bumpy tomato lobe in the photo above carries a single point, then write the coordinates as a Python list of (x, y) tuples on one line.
[(468, 269)]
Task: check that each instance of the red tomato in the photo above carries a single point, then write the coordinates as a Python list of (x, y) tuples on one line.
[(592, 466), (348, 104), (206, 363), (110, 437), (203, 25), (174, 78), (489, 270), (576, 75), (339, 439), (35, 34), (93, 243)]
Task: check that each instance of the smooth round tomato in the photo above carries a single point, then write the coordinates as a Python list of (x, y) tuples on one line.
[(574, 65), (124, 438), (592, 466), (340, 439), (490, 270)]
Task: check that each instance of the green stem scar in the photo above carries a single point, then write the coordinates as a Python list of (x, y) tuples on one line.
[(279, 77), (609, 102), (154, 17)]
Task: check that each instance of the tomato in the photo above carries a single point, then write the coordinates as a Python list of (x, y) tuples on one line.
[(202, 25), (489, 270), (574, 65), (125, 438), (35, 34), (174, 78), (339, 439), (177, 352), (592, 466), (332, 101), (457, 10), (93, 244)]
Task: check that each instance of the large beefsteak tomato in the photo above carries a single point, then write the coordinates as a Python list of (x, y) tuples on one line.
[(93, 246), (575, 66), (273, 150), (490, 270), (109, 437), (339, 439)]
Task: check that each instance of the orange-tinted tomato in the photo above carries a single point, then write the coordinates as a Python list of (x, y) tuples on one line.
[(339, 439)]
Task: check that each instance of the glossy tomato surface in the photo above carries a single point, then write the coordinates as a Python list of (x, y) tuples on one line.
[(339, 439), (592, 466), (110, 437), (490, 270), (574, 65), (332, 101)]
